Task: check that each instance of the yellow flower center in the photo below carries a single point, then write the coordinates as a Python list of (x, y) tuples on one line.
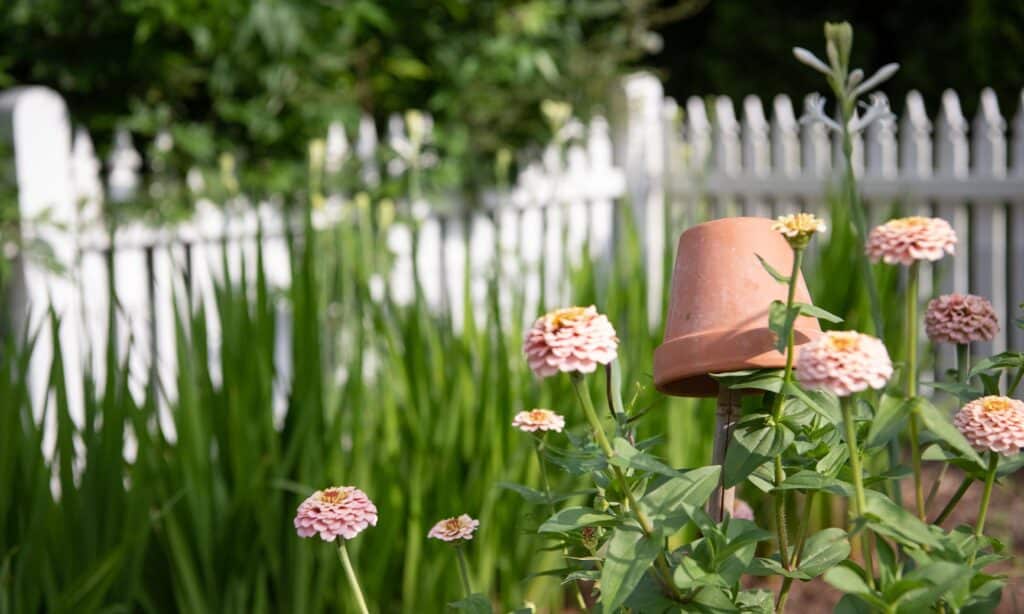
[(453, 524), (539, 415), (910, 222), (804, 223), (843, 341), (562, 317), (996, 404), (333, 495)]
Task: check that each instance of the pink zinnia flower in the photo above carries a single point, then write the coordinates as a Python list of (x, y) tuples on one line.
[(742, 510), (572, 339), (992, 423), (960, 318), (909, 239), (844, 362), (334, 511), (452, 529), (538, 420)]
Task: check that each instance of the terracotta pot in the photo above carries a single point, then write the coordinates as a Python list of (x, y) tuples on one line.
[(718, 312)]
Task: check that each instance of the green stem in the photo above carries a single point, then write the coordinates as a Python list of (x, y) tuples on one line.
[(1016, 381), (580, 601), (951, 505), (780, 496), (910, 383), (661, 563), (463, 570), (352, 579), (859, 502), (963, 362), (986, 496), (803, 530)]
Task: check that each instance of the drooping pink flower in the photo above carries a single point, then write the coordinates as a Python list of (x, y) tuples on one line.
[(742, 510), (992, 423), (844, 362), (539, 420), (455, 528), (960, 318), (909, 239), (571, 339), (336, 511)]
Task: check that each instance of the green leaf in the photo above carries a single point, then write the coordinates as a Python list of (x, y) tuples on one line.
[(474, 604), (630, 555), (939, 424), (671, 504), (776, 275), (889, 422), (886, 518), (813, 481), (1005, 360), (575, 518), (939, 577), (763, 566), (766, 379), (528, 494), (780, 321), (849, 578), (824, 550), (817, 312), (754, 441), (627, 456), (822, 403)]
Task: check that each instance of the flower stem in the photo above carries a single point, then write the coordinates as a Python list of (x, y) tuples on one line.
[(539, 448), (859, 502), (910, 383), (963, 362), (986, 496), (661, 563), (959, 494), (463, 570), (1016, 381), (352, 579)]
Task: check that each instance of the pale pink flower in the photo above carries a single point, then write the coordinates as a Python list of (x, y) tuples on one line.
[(909, 239), (539, 420), (992, 423), (960, 318), (844, 362), (571, 339), (742, 510), (336, 511), (452, 529), (798, 228)]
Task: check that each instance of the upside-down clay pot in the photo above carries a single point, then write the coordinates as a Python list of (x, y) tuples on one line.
[(718, 312)]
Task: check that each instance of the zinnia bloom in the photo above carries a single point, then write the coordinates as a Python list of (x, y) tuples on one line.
[(452, 529), (909, 239), (798, 228), (844, 362), (538, 420), (960, 318), (992, 423), (334, 511), (742, 510), (571, 339)]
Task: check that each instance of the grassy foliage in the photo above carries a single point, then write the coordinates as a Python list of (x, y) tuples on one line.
[(390, 398)]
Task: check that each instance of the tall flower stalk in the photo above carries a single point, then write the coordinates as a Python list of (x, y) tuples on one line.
[(798, 230)]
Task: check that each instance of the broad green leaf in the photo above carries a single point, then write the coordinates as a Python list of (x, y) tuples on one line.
[(757, 601), (831, 463), (822, 403), (940, 576), (474, 604), (812, 481), (889, 421), (627, 456), (630, 554), (753, 442), (849, 579), (671, 504), (887, 518), (763, 566), (574, 518), (852, 604), (939, 424), (824, 550), (776, 275), (528, 494)]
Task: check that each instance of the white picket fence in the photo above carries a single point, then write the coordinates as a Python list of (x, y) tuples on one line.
[(677, 166), (703, 159)]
